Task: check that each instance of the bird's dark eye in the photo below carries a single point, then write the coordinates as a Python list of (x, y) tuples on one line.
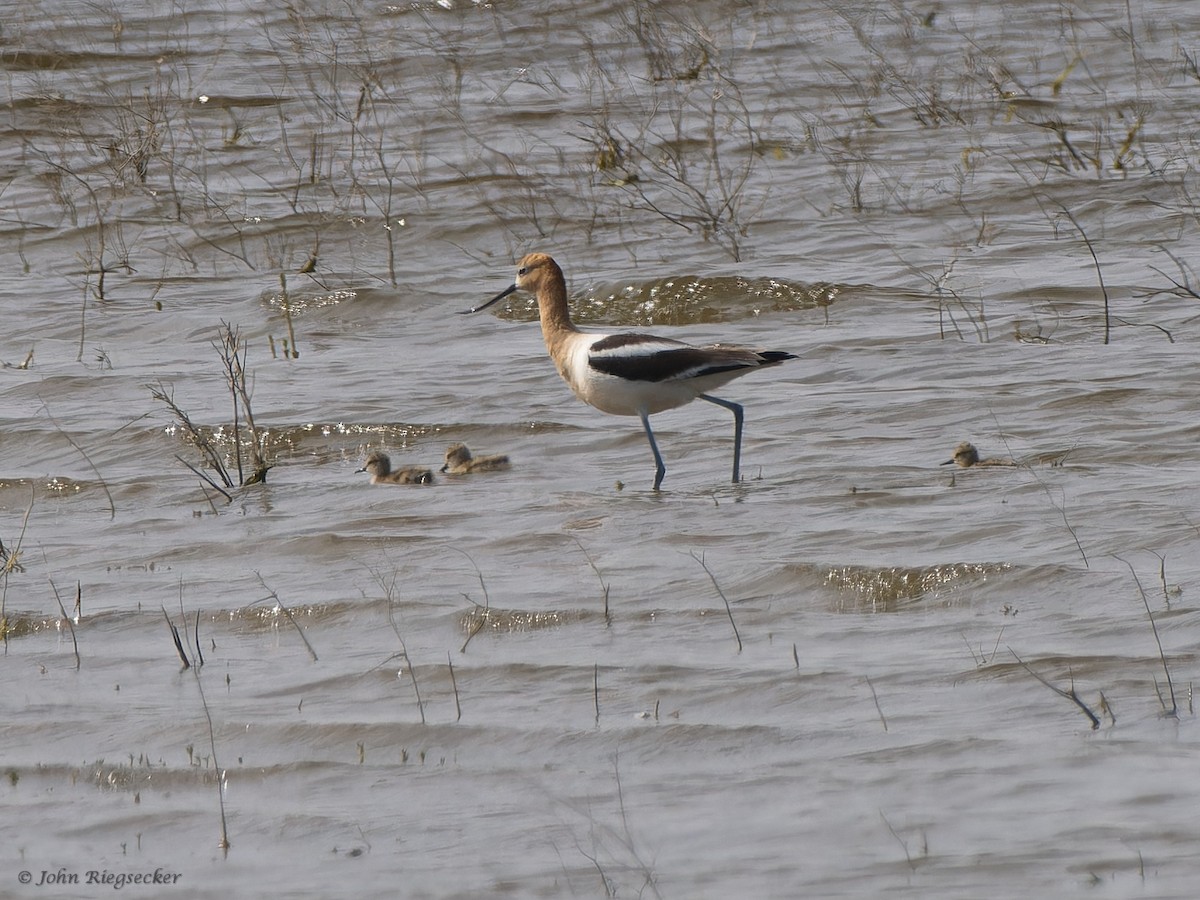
[(522, 270)]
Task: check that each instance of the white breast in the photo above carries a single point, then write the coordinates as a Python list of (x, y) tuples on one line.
[(630, 396)]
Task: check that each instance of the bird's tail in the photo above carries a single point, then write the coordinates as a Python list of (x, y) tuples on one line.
[(771, 357)]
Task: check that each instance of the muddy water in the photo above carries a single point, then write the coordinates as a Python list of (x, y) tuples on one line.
[(837, 678)]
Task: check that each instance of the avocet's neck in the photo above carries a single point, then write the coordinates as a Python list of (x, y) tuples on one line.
[(557, 327), (540, 275)]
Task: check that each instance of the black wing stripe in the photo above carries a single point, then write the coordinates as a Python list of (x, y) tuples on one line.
[(686, 362), (633, 340)]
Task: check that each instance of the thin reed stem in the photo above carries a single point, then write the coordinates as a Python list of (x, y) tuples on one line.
[(183, 657), (878, 708), (1174, 709), (728, 609), (224, 843), (1096, 264), (604, 586), (408, 663), (112, 508), (1069, 694), (454, 685), (271, 595), (67, 619), (11, 562)]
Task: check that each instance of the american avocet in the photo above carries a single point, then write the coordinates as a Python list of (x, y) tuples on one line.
[(965, 456), (459, 461), (379, 465), (632, 374)]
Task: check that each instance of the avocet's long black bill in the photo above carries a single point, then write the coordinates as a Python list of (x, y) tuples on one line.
[(500, 296), (946, 463)]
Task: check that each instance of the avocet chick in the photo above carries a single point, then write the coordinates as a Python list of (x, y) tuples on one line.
[(459, 461), (965, 456), (379, 465)]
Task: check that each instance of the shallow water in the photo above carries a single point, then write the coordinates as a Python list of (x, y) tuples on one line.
[(552, 681)]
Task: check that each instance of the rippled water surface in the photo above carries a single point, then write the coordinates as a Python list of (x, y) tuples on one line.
[(857, 672)]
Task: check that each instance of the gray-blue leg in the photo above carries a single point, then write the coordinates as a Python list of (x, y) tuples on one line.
[(659, 469), (738, 416)]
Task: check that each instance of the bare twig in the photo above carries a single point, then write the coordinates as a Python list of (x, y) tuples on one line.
[(195, 435), (604, 586), (1162, 577), (912, 864), (486, 600), (10, 562), (183, 657), (878, 708), (1174, 709), (454, 685), (232, 348), (1096, 263), (67, 619), (196, 638), (728, 609), (1069, 694), (212, 746), (112, 509), (389, 588), (203, 477), (287, 612), (1186, 273), (1062, 511), (478, 625), (212, 738), (1106, 708), (285, 304), (596, 691), (627, 837)]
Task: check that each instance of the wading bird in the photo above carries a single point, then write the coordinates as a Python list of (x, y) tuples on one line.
[(630, 374)]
